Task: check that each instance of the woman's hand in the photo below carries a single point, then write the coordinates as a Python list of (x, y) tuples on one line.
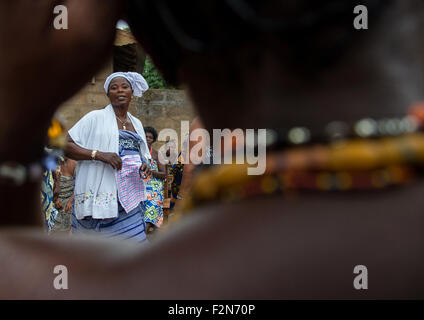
[(110, 158), (58, 205), (145, 171)]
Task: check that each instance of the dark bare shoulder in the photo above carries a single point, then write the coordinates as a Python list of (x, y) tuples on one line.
[(68, 167), (309, 246), (261, 248), (72, 165), (155, 154)]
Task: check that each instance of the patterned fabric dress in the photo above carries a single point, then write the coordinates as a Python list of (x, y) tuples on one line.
[(128, 225), (47, 206), (154, 188), (63, 219)]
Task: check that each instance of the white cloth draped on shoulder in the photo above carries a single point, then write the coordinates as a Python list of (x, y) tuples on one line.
[(95, 191)]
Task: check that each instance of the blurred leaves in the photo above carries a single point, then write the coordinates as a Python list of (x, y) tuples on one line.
[(153, 76)]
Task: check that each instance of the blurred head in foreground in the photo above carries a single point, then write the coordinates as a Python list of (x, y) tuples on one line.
[(275, 62)]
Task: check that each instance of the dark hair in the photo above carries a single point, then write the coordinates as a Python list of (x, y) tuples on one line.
[(152, 131), (301, 26)]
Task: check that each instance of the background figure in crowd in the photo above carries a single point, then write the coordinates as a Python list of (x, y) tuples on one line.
[(188, 168), (176, 170), (183, 170), (153, 213), (63, 194), (111, 149)]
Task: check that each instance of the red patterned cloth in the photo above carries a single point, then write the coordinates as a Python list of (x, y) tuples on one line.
[(131, 188)]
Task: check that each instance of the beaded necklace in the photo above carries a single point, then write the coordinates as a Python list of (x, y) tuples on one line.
[(344, 165)]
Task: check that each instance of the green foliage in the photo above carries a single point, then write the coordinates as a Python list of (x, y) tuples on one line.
[(153, 76)]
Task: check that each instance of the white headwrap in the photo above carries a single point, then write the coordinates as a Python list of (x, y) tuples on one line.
[(136, 80)]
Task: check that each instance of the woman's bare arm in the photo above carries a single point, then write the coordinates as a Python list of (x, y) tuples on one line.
[(76, 152)]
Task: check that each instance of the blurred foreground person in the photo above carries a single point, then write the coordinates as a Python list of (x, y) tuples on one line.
[(300, 69)]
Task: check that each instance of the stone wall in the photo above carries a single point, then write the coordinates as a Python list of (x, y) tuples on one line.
[(157, 108)]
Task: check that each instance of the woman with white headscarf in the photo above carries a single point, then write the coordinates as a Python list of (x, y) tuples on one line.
[(111, 149)]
